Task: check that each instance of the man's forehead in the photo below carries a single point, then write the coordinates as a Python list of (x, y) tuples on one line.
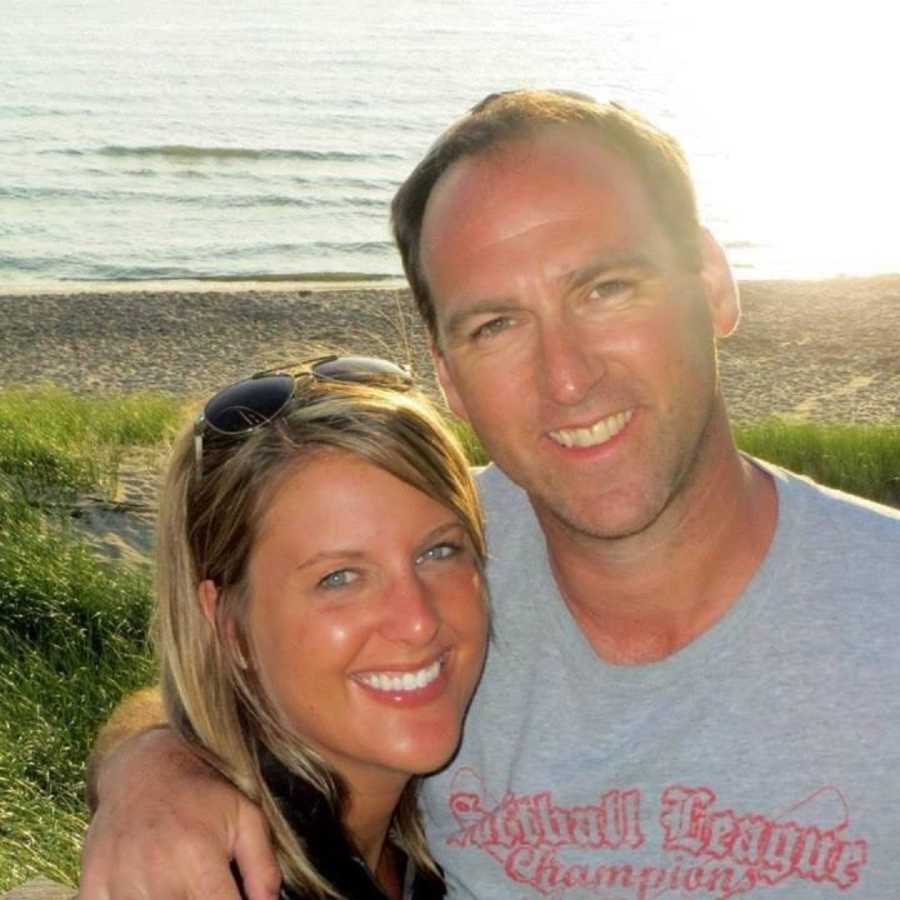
[(535, 172), (560, 183)]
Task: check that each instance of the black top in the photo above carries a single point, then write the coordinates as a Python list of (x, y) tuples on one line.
[(308, 813)]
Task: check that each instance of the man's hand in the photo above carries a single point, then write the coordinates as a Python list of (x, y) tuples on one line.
[(167, 828)]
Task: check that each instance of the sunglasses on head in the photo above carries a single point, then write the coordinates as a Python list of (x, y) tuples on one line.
[(262, 398)]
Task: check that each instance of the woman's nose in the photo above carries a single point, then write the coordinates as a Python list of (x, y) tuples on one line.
[(410, 612)]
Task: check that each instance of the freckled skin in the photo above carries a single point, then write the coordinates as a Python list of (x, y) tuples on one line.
[(355, 571), (560, 301)]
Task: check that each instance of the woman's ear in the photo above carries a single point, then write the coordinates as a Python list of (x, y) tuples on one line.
[(208, 598)]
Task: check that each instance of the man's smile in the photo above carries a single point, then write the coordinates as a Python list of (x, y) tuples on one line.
[(593, 435)]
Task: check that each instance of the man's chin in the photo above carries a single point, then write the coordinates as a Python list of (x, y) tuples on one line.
[(609, 517)]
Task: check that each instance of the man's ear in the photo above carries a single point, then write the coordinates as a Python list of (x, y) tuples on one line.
[(208, 598), (719, 285), (445, 379)]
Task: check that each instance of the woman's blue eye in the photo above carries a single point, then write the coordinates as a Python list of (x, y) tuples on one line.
[(440, 551), (340, 578)]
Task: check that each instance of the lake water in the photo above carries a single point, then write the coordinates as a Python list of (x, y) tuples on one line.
[(149, 139)]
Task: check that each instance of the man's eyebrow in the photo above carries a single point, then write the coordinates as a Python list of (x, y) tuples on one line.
[(585, 274)]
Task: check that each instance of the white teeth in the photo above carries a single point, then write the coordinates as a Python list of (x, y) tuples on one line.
[(408, 681), (597, 434)]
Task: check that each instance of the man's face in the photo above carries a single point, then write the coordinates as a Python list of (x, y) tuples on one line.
[(569, 334)]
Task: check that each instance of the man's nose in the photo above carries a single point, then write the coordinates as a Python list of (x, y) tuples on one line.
[(411, 614), (568, 368)]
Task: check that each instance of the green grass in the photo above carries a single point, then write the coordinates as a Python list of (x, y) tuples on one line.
[(72, 642), (859, 459), (53, 697), (471, 445), (72, 625), (54, 443)]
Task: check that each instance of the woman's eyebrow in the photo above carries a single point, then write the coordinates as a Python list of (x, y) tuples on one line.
[(445, 528), (347, 555)]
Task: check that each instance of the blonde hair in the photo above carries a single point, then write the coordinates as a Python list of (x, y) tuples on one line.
[(207, 528)]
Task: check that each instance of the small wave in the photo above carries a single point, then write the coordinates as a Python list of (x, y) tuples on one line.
[(305, 248), (364, 247), (223, 267), (366, 202), (27, 112), (94, 172), (108, 195), (310, 249), (112, 272), (253, 200), (306, 276), (204, 201), (354, 182), (137, 275), (27, 263), (187, 151), (55, 193)]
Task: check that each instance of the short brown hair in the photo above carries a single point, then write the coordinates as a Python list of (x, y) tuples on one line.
[(657, 157)]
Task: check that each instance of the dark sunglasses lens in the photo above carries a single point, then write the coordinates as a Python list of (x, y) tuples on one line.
[(249, 404), (363, 370)]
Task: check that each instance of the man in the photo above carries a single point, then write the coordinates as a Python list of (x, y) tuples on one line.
[(692, 691)]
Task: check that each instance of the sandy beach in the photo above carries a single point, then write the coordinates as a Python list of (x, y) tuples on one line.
[(819, 350), (825, 351)]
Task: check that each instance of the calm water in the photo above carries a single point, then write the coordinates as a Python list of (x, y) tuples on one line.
[(149, 139)]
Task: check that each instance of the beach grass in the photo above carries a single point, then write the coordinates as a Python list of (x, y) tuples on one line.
[(55, 443), (858, 459), (73, 624), (72, 642)]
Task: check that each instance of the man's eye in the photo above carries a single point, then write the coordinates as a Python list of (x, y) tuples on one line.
[(490, 328), (612, 289), (338, 578), (440, 551)]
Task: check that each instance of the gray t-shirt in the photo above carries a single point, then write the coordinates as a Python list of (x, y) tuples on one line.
[(760, 761)]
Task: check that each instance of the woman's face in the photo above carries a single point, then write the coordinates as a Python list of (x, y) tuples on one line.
[(366, 623)]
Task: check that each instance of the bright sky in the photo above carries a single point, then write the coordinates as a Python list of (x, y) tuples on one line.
[(823, 168)]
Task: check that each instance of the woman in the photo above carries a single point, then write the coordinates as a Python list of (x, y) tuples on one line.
[(321, 619)]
